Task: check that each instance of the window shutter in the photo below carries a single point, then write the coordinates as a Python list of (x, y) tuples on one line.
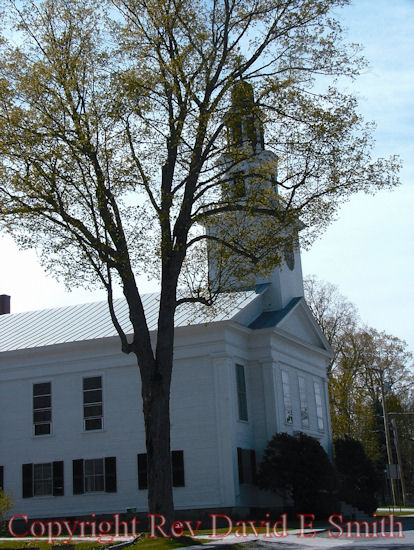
[(142, 471), (1, 477), (110, 474), (27, 476), (253, 464), (240, 464), (177, 459), (58, 487), (78, 488)]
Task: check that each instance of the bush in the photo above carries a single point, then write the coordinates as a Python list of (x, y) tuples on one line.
[(358, 479), (5, 506), (299, 466)]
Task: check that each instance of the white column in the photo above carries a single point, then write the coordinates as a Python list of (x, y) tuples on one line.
[(225, 396), (270, 398)]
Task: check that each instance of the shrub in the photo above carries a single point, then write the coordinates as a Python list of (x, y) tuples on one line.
[(5, 506), (299, 466), (358, 479)]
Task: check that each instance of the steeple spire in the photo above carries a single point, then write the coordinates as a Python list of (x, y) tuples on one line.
[(244, 125), (249, 172)]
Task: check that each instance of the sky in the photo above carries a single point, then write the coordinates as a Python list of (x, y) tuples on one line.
[(368, 252)]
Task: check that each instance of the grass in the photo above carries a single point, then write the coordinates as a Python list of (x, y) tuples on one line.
[(142, 544), (146, 543), (398, 511), (163, 543)]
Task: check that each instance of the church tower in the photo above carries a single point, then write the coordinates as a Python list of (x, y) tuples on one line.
[(250, 170)]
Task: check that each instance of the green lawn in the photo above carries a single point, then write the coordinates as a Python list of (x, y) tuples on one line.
[(142, 544)]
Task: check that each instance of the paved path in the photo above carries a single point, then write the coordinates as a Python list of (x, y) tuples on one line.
[(324, 540)]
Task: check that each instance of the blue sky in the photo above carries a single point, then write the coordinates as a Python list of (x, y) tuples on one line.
[(368, 251)]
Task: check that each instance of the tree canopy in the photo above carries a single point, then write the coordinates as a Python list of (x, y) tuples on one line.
[(365, 359), (116, 148)]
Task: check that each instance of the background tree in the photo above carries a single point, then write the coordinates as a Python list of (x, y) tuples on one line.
[(114, 153), (336, 315), (299, 466), (362, 357)]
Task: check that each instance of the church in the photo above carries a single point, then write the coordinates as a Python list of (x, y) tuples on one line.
[(72, 439)]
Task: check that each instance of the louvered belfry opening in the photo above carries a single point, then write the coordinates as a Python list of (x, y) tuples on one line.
[(4, 304)]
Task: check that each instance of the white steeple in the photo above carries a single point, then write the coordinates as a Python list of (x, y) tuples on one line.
[(250, 170)]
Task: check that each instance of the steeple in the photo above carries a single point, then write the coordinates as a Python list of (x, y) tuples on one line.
[(249, 167), (243, 122), (250, 171)]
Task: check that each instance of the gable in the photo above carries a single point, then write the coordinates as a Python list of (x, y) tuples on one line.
[(299, 325), (295, 320)]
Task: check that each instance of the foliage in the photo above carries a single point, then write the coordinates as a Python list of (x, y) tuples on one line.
[(116, 149), (362, 357), (336, 315), (359, 481), (299, 466), (355, 386), (5, 506)]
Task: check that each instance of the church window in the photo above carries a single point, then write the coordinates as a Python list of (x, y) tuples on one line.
[(237, 130), (287, 400), (94, 475), (304, 410), (177, 465), (241, 393), (43, 479), (42, 408), (319, 409), (92, 403)]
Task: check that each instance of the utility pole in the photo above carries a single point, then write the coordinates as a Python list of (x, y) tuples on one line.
[(400, 466), (387, 438)]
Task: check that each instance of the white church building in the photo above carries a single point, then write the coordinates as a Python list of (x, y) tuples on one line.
[(72, 438)]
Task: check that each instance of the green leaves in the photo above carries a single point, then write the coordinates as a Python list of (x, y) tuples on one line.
[(130, 101)]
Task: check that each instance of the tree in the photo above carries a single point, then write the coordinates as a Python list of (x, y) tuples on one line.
[(299, 466), (364, 358), (358, 479), (113, 125), (336, 315)]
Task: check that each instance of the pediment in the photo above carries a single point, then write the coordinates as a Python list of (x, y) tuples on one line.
[(301, 324), (295, 320)]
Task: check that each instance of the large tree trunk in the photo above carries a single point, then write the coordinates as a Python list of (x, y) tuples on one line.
[(156, 385), (156, 406)]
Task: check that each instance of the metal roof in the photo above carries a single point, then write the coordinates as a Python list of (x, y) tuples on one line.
[(269, 319), (48, 327)]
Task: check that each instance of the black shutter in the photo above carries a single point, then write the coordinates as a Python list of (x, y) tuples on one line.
[(177, 460), (240, 464), (1, 478), (78, 477), (253, 464), (142, 471), (58, 488), (27, 476), (110, 474)]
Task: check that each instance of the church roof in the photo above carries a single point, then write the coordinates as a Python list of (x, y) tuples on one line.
[(269, 319), (90, 321)]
